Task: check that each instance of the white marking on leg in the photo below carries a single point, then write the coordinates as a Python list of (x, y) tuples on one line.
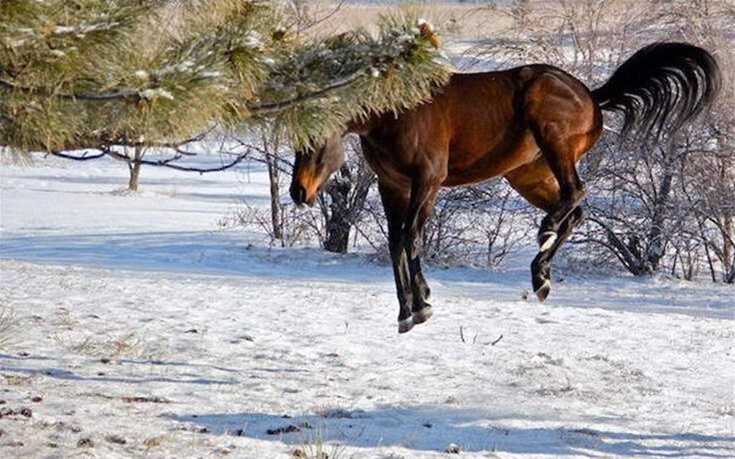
[(546, 284), (548, 242)]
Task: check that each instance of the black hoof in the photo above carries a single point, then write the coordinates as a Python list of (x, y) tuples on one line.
[(542, 292), (541, 277), (405, 325), (423, 314)]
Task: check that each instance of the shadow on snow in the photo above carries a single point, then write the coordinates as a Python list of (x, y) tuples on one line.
[(425, 429)]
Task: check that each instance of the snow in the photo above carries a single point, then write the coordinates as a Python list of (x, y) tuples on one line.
[(157, 93), (147, 330)]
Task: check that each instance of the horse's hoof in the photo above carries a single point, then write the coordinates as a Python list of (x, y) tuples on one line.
[(423, 314), (543, 291), (546, 240), (405, 325)]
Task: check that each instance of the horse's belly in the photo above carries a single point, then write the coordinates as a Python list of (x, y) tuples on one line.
[(469, 166)]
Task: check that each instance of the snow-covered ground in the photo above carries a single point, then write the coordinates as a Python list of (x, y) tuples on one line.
[(134, 326)]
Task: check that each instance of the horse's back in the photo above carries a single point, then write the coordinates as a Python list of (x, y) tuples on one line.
[(480, 125)]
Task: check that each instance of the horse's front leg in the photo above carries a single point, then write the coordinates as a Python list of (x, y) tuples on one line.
[(393, 206), (421, 309), (401, 277), (420, 209)]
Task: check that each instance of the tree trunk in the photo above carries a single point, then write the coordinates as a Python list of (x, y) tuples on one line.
[(728, 272), (628, 253), (338, 223), (134, 169), (348, 192), (273, 176), (656, 246), (730, 277)]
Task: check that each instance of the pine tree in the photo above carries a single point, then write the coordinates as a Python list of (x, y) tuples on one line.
[(92, 74)]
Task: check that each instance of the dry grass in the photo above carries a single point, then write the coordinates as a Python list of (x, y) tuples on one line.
[(314, 446), (8, 326), (125, 345)]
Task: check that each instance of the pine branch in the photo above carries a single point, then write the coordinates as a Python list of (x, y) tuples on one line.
[(124, 95), (128, 85), (133, 96), (277, 107), (85, 156)]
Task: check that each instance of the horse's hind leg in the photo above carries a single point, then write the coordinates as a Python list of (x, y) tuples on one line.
[(541, 265), (395, 204), (538, 184), (557, 225), (565, 122), (571, 192)]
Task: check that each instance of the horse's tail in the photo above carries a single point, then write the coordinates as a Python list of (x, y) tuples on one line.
[(661, 86)]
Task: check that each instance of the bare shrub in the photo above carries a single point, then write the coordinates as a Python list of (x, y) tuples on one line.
[(653, 207), (330, 223), (343, 202), (296, 225), (479, 225)]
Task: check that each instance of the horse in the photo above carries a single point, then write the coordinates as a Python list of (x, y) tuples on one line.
[(530, 125)]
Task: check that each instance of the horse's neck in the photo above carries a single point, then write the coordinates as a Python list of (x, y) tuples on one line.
[(362, 126)]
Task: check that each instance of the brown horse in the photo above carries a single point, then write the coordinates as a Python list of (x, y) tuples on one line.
[(530, 124)]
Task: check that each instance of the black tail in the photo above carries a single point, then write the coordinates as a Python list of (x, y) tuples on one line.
[(661, 86)]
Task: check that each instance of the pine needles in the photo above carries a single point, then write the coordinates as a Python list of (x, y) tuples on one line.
[(395, 71), (93, 73)]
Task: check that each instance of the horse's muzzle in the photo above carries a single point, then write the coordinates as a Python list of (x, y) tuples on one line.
[(298, 193)]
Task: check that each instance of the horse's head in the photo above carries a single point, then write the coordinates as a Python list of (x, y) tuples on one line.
[(313, 167)]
